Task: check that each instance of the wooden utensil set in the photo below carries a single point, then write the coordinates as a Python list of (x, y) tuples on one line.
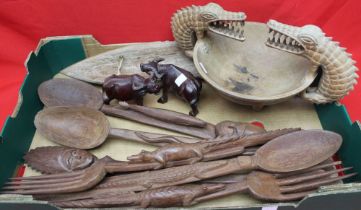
[(217, 160)]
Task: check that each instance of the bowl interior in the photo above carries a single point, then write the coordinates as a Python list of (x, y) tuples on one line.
[(250, 69)]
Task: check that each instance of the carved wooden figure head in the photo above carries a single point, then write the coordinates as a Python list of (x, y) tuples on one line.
[(57, 159)]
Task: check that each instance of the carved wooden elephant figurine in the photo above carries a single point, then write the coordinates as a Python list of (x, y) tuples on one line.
[(128, 87)]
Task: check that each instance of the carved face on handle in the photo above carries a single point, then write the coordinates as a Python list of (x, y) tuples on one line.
[(75, 159), (58, 159)]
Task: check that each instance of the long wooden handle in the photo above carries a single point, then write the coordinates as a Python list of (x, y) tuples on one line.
[(180, 175), (208, 132), (154, 139), (165, 115)]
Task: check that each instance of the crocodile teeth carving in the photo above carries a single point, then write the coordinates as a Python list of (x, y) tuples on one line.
[(190, 24), (339, 72)]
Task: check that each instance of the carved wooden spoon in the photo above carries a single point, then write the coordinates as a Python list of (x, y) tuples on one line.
[(86, 128), (61, 159), (69, 92), (287, 153)]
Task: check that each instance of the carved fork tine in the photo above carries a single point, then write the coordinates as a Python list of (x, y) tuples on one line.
[(291, 180), (279, 189), (44, 177), (300, 189), (314, 168), (62, 183), (298, 183)]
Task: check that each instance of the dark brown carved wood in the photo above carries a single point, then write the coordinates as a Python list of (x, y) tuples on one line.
[(262, 185), (70, 92), (172, 77), (63, 159), (128, 87), (287, 153)]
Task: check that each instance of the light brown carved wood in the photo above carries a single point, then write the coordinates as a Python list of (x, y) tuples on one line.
[(96, 68), (250, 72)]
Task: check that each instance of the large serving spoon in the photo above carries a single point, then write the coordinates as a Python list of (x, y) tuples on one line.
[(70, 92), (291, 152), (65, 159), (86, 128)]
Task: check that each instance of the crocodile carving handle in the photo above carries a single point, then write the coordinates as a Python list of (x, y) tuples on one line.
[(338, 69)]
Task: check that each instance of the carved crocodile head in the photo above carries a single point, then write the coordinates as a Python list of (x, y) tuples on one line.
[(338, 69), (210, 188), (143, 156), (223, 22), (191, 23), (293, 39)]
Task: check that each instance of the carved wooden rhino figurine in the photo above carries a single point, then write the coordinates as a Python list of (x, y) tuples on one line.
[(128, 87), (173, 77)]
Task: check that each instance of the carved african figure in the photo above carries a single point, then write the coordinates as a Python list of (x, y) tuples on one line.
[(191, 23), (338, 69), (58, 159), (128, 87), (174, 78)]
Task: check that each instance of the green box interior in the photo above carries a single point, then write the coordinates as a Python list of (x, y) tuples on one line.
[(55, 55), (18, 132)]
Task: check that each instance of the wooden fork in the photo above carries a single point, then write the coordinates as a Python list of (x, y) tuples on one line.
[(262, 185), (110, 185), (280, 187)]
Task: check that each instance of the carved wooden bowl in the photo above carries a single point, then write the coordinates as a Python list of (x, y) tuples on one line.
[(250, 72)]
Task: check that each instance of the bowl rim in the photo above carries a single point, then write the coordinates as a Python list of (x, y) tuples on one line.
[(308, 78)]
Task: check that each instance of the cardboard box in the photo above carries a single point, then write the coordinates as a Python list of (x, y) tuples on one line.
[(56, 53)]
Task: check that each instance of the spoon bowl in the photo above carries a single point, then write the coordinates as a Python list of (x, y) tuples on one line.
[(69, 92), (78, 127), (87, 128), (298, 150)]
